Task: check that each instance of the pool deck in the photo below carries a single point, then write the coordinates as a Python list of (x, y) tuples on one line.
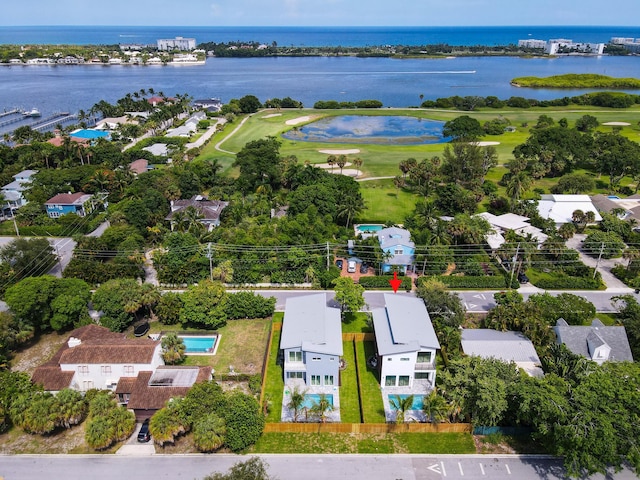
[(287, 414), (420, 387), (215, 344)]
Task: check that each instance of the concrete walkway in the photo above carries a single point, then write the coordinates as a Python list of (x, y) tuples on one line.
[(604, 267), (235, 130), (211, 131)]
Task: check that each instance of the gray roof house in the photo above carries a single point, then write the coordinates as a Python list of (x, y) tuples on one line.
[(13, 192), (505, 346), (596, 342), (311, 340), (396, 242), (208, 210), (406, 342)]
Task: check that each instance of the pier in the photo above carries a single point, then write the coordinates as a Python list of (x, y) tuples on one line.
[(58, 118), (10, 112)]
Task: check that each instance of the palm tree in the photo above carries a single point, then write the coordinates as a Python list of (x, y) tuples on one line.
[(341, 162), (322, 408), (331, 160), (399, 182), (357, 162), (149, 297), (401, 406), (209, 433), (71, 407), (172, 349), (518, 185), (435, 407), (296, 401)]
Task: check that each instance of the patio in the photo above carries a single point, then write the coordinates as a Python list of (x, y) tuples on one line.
[(420, 387), (287, 414)]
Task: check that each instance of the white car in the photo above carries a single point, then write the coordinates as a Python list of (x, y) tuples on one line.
[(351, 266)]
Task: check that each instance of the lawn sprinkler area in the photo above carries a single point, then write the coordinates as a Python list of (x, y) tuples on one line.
[(363, 129), (200, 345)]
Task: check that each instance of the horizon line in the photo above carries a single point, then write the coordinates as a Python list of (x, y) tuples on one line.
[(325, 26)]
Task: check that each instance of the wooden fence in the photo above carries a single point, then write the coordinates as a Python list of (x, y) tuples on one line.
[(367, 428), (358, 337)]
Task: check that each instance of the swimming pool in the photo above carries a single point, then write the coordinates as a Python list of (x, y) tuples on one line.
[(89, 134), (418, 401), (311, 399), (369, 228), (199, 344), (369, 129)]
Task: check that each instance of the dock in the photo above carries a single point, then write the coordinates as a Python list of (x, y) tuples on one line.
[(10, 112), (58, 118)]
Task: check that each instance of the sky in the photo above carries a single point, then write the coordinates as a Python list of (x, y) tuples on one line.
[(319, 12)]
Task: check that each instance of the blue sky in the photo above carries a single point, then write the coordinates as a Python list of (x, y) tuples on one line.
[(319, 12)]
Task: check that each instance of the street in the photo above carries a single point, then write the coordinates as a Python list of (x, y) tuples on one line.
[(284, 467)]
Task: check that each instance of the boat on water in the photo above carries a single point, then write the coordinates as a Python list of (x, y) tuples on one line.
[(34, 112)]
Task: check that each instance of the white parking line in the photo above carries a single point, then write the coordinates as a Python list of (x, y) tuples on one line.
[(460, 467), (444, 472), (482, 469), (508, 469)]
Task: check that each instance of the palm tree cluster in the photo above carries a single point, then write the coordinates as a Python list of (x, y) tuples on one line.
[(319, 410), (434, 406)]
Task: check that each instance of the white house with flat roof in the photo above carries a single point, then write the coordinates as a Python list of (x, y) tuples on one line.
[(311, 341), (406, 342), (560, 208), (501, 224), (505, 346)]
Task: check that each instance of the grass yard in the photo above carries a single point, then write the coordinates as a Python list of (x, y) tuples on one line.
[(388, 443), (385, 203), (349, 398), (274, 381), (357, 322), (372, 405)]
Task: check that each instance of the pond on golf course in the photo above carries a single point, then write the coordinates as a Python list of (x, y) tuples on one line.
[(381, 130)]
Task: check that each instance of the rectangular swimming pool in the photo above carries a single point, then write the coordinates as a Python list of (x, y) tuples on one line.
[(311, 399), (369, 228), (417, 400), (89, 134), (199, 344)]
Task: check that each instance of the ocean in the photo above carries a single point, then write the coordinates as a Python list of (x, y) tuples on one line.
[(395, 82), (310, 36)]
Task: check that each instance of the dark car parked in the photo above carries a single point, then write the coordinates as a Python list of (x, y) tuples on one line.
[(143, 434), (364, 268), (522, 278), (339, 264)]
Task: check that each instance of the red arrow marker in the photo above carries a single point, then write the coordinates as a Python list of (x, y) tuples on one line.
[(395, 283)]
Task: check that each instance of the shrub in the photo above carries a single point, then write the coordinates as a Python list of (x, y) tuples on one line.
[(496, 281), (249, 305), (382, 282), (610, 244)]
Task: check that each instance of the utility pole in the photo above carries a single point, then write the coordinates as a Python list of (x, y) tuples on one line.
[(328, 260), (13, 217), (595, 270), (513, 264), (210, 261)]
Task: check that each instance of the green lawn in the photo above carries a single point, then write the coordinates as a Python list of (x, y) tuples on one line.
[(372, 405), (385, 203), (357, 322), (274, 381), (349, 398), (388, 443)]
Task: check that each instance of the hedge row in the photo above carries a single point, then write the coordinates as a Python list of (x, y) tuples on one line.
[(570, 283), (464, 281), (381, 282)]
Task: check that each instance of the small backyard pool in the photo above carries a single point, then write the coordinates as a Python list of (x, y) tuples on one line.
[(371, 229), (204, 345), (89, 134), (311, 399), (382, 130), (417, 400)]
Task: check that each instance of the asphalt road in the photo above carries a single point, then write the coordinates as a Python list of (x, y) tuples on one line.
[(284, 467)]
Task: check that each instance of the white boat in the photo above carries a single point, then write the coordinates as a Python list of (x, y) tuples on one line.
[(34, 112)]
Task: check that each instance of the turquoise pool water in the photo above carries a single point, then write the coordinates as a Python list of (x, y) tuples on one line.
[(90, 134), (370, 228), (417, 401), (199, 344), (311, 399), (382, 130)]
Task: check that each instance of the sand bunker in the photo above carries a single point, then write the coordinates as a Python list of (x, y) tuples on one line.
[(272, 115), (296, 121), (616, 124), (486, 144), (326, 165), (341, 152), (350, 172)]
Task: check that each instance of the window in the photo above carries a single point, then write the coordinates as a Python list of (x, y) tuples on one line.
[(83, 369), (105, 369), (128, 370), (404, 359), (295, 375), (403, 381), (87, 385), (398, 251), (389, 359), (328, 379), (422, 375), (316, 359), (424, 357), (390, 381), (123, 398), (315, 379), (295, 356)]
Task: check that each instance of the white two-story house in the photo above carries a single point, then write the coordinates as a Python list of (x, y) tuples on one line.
[(406, 342), (94, 357), (311, 341)]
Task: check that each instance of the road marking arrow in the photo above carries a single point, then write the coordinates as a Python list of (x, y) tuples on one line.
[(435, 468), (480, 295)]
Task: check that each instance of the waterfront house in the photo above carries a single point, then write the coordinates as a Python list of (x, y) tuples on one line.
[(79, 203), (208, 211), (406, 343), (189, 127), (596, 342), (398, 249), (560, 208), (311, 341), (95, 357), (505, 346), (13, 192)]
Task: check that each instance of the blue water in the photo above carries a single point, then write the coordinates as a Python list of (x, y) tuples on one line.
[(310, 36), (417, 400), (199, 344), (90, 134), (311, 399), (370, 228), (387, 130)]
